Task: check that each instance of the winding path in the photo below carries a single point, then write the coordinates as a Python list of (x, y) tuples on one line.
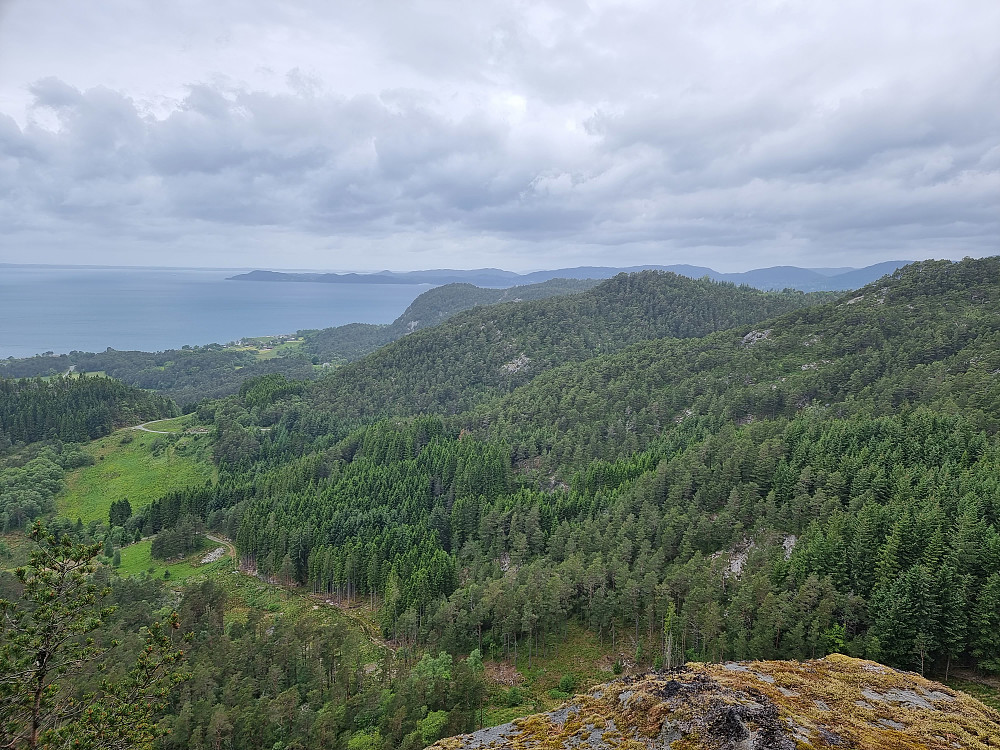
[(144, 428), (226, 543), (189, 430)]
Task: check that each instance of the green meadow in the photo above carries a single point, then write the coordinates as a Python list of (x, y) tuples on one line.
[(136, 560), (138, 466), (577, 652)]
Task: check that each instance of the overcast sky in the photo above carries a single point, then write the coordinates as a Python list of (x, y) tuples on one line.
[(375, 134)]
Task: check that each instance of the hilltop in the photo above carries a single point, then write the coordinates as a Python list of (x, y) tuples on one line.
[(353, 341), (833, 702), (491, 350), (929, 334)]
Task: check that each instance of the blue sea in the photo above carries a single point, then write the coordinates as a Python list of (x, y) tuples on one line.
[(90, 309)]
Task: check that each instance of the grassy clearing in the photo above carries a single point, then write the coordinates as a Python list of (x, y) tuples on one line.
[(269, 347), (578, 653), (136, 560), (284, 349), (248, 593), (140, 466)]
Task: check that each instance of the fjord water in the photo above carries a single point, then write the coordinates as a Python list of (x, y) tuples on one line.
[(62, 309)]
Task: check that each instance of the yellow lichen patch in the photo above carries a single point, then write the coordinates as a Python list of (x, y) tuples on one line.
[(868, 705), (831, 702)]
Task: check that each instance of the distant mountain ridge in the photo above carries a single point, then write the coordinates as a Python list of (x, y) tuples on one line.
[(775, 277)]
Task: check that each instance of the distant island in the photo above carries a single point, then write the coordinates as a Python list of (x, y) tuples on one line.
[(776, 277)]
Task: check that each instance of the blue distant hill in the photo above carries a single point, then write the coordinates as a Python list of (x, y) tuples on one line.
[(776, 277)]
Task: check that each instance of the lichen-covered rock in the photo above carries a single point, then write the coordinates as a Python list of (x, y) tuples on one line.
[(835, 702)]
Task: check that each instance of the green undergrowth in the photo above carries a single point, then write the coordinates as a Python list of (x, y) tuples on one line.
[(14, 550), (988, 694), (577, 653), (135, 465), (247, 593)]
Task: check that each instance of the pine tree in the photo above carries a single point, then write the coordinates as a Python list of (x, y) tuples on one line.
[(46, 636), (986, 625)]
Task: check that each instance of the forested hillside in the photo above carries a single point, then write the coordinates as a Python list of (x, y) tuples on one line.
[(930, 334), (825, 480), (351, 342), (186, 376), (31, 478), (486, 352), (192, 374), (806, 477)]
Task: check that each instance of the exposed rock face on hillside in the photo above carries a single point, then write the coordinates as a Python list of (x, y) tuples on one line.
[(836, 702)]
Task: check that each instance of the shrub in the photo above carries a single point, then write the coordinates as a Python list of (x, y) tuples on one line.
[(567, 683)]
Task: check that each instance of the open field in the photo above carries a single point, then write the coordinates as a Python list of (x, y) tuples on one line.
[(137, 465), (285, 348), (269, 347), (136, 560)]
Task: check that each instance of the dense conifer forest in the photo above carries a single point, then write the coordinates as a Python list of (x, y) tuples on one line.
[(684, 470), (73, 409), (492, 350), (770, 485), (352, 342)]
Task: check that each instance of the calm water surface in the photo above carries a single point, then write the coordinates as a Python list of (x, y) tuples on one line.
[(66, 309)]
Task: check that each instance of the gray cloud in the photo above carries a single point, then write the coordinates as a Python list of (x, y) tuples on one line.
[(517, 136)]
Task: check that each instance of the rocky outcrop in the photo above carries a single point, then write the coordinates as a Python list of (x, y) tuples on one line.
[(835, 702)]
